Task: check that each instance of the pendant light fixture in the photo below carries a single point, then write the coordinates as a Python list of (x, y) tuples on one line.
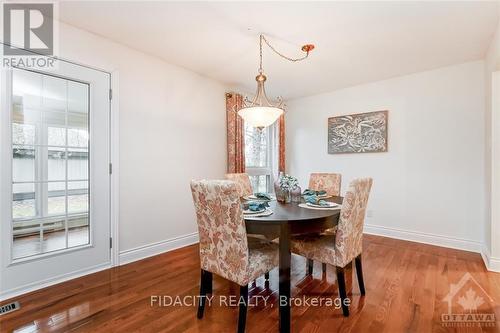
[(260, 112)]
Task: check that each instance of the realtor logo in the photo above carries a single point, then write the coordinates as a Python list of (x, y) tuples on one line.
[(469, 305), (28, 28)]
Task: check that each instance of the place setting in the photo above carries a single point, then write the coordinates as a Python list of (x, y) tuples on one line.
[(317, 202), (256, 209), (321, 194), (260, 196)]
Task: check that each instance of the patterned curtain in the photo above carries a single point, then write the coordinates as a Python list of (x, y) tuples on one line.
[(235, 134), (281, 157)]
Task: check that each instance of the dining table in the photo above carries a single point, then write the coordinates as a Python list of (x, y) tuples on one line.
[(287, 220)]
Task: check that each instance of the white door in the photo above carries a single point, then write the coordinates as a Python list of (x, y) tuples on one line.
[(55, 175)]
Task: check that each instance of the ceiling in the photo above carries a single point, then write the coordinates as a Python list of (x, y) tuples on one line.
[(356, 42)]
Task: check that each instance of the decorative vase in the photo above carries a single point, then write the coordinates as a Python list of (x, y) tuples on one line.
[(277, 189), (287, 194), (296, 194)]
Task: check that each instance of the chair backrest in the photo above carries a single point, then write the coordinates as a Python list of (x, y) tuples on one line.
[(349, 235), (223, 236), (329, 182), (243, 182)]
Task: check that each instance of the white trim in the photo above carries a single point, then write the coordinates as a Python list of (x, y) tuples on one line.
[(426, 238), (153, 249), (494, 249), (51, 281), (5, 178), (492, 263), (115, 175), (485, 254)]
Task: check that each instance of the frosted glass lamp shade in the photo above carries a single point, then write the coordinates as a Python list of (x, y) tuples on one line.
[(260, 116)]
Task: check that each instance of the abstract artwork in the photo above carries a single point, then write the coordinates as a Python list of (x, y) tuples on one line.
[(358, 133)]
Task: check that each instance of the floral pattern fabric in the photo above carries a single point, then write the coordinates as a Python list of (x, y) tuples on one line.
[(224, 248), (329, 182), (340, 248), (242, 182), (235, 133), (281, 148)]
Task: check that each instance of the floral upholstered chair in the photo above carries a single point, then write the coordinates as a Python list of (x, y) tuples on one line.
[(341, 248), (243, 182), (329, 182), (224, 248)]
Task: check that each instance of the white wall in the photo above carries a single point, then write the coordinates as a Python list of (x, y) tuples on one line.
[(430, 185), (492, 155), (172, 129)]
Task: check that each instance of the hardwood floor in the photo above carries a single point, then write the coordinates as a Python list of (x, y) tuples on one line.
[(405, 286)]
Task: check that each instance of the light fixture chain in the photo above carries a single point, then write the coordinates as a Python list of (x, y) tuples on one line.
[(260, 64), (260, 112), (262, 37)]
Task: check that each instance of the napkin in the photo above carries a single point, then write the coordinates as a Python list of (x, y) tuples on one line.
[(323, 203), (313, 192), (256, 206), (261, 195), (313, 199)]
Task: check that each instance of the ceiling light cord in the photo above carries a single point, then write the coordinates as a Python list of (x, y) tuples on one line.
[(306, 48), (260, 112)]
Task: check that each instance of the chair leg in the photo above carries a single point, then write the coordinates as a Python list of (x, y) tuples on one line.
[(310, 264), (342, 290), (205, 286), (209, 283), (359, 273), (242, 319), (266, 276), (323, 267)]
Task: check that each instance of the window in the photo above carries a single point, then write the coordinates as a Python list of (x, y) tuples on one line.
[(50, 163), (261, 156)]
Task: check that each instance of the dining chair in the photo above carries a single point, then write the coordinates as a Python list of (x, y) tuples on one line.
[(329, 182), (244, 189), (243, 182), (345, 246), (224, 247)]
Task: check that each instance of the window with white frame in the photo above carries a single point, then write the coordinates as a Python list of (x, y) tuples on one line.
[(50, 163), (261, 156)]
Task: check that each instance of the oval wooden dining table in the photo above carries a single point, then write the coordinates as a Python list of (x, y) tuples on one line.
[(287, 220)]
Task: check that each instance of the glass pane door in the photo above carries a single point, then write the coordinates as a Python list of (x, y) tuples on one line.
[(55, 181), (50, 163)]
